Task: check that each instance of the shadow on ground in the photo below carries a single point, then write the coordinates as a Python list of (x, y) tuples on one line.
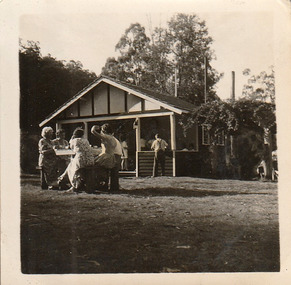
[(184, 192), (151, 191)]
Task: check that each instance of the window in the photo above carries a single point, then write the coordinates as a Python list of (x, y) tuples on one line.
[(220, 138), (205, 135)]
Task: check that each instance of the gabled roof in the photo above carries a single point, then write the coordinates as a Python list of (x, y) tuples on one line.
[(166, 101)]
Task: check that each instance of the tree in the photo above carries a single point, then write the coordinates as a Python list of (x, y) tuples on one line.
[(113, 69), (133, 47), (217, 115), (239, 118), (260, 87), (260, 117), (46, 83), (151, 63), (29, 66), (187, 44)]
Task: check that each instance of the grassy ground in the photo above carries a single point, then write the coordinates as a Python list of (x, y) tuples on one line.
[(163, 224)]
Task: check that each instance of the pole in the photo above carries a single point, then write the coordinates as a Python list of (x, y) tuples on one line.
[(86, 130), (232, 138), (173, 140), (233, 86), (232, 100), (138, 148), (205, 79), (58, 126), (176, 89)]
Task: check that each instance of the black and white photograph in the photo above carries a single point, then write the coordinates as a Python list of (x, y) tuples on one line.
[(149, 142)]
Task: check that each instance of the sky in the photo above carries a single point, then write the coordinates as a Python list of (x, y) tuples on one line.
[(242, 39)]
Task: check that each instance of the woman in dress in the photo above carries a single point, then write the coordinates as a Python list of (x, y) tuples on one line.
[(83, 157), (47, 159)]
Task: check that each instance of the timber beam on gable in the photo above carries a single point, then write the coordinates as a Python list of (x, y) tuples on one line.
[(114, 117)]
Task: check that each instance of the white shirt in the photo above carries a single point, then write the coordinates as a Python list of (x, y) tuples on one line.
[(159, 144), (118, 148)]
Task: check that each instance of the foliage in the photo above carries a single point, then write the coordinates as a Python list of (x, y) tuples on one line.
[(251, 122), (232, 118), (133, 49), (151, 62), (46, 83), (260, 87), (216, 115)]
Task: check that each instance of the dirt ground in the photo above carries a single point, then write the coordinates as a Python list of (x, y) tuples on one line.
[(161, 224)]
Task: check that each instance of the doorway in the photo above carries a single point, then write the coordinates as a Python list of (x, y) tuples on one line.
[(123, 130)]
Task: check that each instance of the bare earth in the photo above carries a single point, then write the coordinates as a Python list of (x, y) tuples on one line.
[(161, 224)]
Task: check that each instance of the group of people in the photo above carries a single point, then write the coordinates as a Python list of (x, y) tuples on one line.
[(55, 170)]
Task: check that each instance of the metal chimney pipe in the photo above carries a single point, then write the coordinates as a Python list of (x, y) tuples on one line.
[(232, 86), (176, 87), (205, 79)]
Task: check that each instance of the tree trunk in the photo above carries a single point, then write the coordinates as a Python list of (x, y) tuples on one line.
[(214, 160), (236, 167)]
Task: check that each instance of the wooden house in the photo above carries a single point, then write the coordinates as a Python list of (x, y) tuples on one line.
[(136, 114)]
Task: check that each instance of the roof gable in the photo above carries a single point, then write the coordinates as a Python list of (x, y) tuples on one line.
[(165, 101)]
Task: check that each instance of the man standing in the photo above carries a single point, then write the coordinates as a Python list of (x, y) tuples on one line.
[(159, 146), (110, 158)]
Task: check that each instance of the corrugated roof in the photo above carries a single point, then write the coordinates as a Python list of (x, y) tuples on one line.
[(167, 100)]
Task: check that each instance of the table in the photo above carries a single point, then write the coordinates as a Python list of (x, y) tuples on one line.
[(64, 152)]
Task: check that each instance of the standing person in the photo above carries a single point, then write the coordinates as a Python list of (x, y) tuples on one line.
[(275, 166), (110, 157), (61, 143), (124, 157), (261, 169), (149, 144), (83, 157), (159, 146), (47, 159)]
